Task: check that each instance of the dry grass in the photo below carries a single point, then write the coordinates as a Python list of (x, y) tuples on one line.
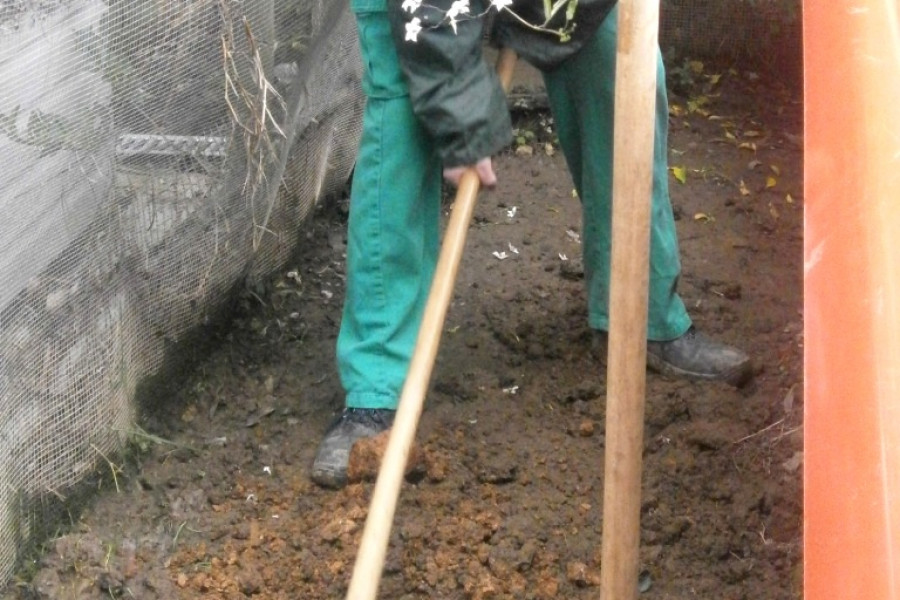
[(251, 100)]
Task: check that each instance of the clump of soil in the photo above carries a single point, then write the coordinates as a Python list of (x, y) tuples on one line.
[(508, 500)]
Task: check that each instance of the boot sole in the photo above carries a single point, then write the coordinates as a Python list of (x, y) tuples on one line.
[(737, 377), (329, 479)]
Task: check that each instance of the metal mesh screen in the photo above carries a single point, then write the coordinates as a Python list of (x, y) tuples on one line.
[(152, 154), (753, 34)]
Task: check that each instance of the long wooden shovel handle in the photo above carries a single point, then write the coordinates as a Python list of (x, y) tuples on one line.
[(635, 101), (373, 545)]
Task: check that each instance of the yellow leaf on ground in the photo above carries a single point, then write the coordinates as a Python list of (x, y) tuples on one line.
[(695, 105), (748, 146), (789, 199), (703, 217), (743, 189), (680, 174), (775, 169), (771, 182)]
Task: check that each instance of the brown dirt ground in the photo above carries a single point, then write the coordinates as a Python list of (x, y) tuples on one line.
[(508, 501)]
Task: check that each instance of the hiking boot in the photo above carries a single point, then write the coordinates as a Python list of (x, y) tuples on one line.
[(329, 468), (694, 356)]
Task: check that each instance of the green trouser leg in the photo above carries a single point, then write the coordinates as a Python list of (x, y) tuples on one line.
[(582, 92), (393, 230)]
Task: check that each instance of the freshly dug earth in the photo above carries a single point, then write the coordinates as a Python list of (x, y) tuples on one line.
[(506, 497)]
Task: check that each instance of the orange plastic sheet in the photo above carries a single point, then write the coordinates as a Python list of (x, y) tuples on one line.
[(852, 300)]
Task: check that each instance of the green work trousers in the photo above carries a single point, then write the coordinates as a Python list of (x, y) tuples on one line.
[(581, 92), (393, 233), (393, 230)]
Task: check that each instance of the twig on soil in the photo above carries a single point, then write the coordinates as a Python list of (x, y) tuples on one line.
[(784, 434), (258, 299), (178, 533), (112, 467), (762, 535), (760, 432), (137, 432)]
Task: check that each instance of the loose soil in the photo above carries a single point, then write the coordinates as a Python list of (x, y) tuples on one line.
[(506, 501)]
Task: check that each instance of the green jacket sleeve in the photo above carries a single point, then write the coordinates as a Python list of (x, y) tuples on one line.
[(455, 94)]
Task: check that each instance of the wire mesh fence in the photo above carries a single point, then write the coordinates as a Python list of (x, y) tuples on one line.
[(763, 35), (154, 153)]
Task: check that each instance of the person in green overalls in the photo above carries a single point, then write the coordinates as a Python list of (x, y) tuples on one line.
[(434, 107)]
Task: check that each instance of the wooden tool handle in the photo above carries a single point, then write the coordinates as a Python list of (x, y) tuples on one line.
[(373, 545), (635, 106)]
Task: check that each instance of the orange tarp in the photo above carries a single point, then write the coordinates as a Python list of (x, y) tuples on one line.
[(852, 300)]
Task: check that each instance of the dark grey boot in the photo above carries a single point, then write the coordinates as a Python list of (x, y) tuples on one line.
[(695, 356), (329, 468)]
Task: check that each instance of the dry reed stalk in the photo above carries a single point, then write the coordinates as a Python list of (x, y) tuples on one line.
[(259, 123)]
